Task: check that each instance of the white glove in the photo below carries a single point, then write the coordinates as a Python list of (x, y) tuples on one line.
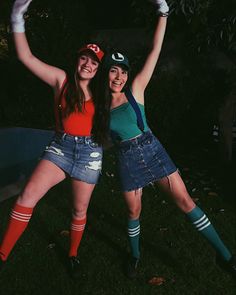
[(17, 15), (162, 6)]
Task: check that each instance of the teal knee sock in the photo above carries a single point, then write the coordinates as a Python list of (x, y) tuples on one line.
[(203, 225), (134, 233)]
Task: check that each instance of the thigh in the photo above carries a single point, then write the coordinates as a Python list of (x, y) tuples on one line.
[(45, 176), (174, 187)]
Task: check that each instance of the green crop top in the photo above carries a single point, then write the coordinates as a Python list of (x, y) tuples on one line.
[(123, 121)]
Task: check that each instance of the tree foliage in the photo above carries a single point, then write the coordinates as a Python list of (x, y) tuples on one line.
[(205, 23), (56, 28), (210, 23)]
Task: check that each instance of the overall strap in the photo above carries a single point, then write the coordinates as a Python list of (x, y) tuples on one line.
[(136, 108)]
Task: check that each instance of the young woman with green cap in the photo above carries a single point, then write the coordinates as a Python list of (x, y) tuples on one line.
[(141, 157)]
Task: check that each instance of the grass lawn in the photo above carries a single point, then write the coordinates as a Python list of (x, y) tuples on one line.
[(171, 248)]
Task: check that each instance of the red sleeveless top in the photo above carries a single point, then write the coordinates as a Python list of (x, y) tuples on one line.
[(78, 123)]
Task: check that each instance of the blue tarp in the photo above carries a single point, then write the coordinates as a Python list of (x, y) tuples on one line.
[(20, 149)]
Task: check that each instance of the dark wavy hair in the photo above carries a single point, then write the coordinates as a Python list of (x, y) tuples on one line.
[(102, 102), (104, 97)]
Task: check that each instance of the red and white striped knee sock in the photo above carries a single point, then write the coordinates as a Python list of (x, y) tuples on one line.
[(76, 233), (19, 219)]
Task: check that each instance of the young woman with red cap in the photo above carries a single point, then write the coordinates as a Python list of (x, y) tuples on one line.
[(74, 152), (141, 157)]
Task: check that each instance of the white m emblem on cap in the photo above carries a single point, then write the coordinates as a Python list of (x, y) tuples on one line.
[(117, 56), (93, 47)]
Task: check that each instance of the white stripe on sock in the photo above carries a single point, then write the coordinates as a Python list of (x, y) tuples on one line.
[(20, 219), (202, 223), (200, 219), (134, 228), (199, 229), (134, 233), (77, 227), (20, 216)]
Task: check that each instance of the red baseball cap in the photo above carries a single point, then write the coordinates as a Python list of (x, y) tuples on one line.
[(94, 48)]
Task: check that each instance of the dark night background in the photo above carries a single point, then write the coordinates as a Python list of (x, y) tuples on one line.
[(192, 88)]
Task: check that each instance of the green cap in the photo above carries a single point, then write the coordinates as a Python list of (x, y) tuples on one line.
[(116, 58)]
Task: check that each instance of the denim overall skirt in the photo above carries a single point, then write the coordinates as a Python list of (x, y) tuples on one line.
[(142, 160)]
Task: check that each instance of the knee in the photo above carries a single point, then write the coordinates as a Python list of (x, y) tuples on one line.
[(29, 196), (185, 203), (134, 211), (79, 212)]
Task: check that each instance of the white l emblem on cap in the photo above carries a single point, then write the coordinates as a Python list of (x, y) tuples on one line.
[(117, 56)]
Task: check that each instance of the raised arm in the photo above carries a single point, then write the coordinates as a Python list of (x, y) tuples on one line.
[(49, 74), (143, 77)]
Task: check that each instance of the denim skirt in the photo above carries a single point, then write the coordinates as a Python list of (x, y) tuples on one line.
[(79, 156), (142, 160)]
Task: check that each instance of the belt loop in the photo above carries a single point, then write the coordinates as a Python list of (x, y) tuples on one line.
[(63, 136)]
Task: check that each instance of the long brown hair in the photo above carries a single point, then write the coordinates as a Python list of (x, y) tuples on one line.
[(73, 93), (75, 99)]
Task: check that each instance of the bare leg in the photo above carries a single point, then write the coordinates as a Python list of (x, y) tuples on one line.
[(133, 201), (174, 186), (82, 192), (43, 178)]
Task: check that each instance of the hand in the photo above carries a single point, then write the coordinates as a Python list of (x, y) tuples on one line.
[(162, 7), (17, 15)]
